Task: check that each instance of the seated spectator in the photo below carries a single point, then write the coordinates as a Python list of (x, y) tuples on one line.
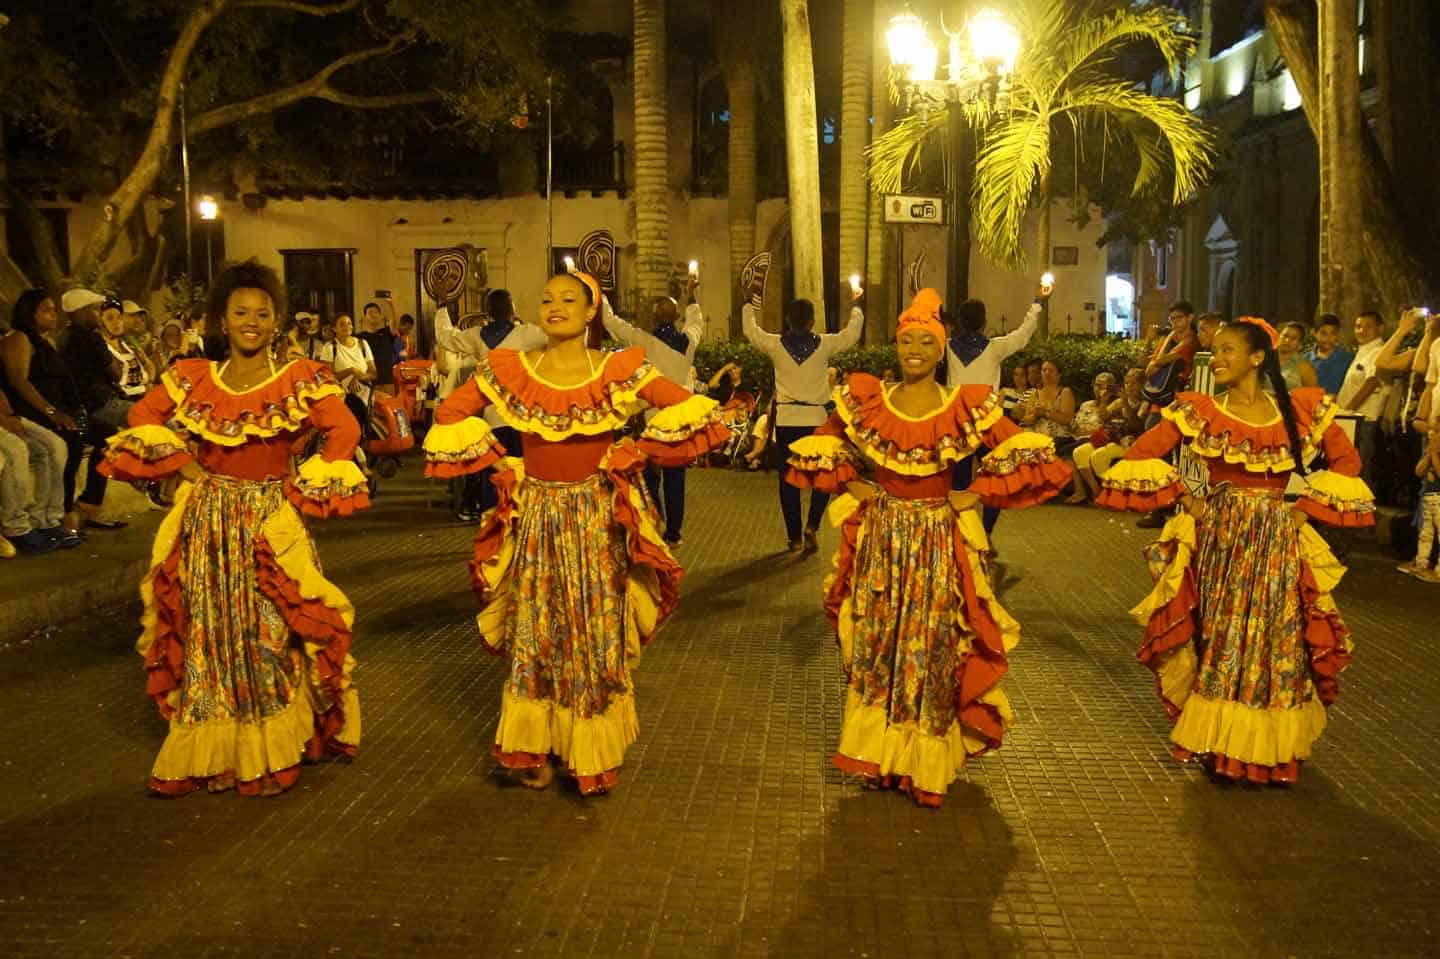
[(32, 484), (1298, 371), (1017, 392), (1330, 360), (41, 389), (1051, 408), (1090, 419), (134, 372), (1123, 421), (1205, 329)]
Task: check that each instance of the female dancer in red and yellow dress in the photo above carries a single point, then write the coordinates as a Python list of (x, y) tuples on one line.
[(1240, 629), (923, 640), (246, 644), (571, 572)]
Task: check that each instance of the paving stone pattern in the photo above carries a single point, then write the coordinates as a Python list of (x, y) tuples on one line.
[(730, 834)]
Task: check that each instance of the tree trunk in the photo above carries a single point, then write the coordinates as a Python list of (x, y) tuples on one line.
[(1396, 261), (132, 191), (736, 51), (652, 154), (1044, 248), (802, 154), (879, 257), (1341, 203), (854, 137)]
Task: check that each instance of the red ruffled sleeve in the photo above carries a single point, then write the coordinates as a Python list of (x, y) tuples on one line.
[(148, 449), (329, 483), (687, 426), (1143, 481), (461, 442), (1022, 468), (824, 460)]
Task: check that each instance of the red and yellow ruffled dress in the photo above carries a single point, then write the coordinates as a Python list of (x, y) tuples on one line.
[(1240, 630), (246, 644), (923, 640), (570, 570)]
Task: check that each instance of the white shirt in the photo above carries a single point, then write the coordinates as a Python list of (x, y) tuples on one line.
[(469, 343), (1361, 369), (350, 357), (985, 369), (802, 389), (673, 365), (1432, 380)]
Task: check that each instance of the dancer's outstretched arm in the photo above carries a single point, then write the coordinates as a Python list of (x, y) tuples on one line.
[(687, 427)]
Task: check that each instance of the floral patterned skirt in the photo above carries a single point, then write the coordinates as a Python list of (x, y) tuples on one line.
[(246, 643), (923, 643), (568, 631), (1246, 641)]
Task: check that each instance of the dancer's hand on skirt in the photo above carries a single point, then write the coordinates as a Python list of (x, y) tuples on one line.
[(1195, 506), (862, 490), (962, 500), (191, 472), (1299, 518)]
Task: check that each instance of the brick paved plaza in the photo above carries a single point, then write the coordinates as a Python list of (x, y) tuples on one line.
[(730, 834)]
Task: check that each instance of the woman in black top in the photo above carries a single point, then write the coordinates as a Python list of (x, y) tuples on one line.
[(40, 387)]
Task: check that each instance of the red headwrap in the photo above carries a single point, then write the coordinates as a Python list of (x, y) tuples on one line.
[(1269, 330), (923, 313)]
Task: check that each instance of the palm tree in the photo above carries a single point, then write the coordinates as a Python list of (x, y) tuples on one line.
[(734, 24), (802, 154), (879, 267), (1341, 196), (854, 136), (1064, 80), (652, 153)]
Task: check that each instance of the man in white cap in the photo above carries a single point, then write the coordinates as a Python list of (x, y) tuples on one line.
[(95, 372)]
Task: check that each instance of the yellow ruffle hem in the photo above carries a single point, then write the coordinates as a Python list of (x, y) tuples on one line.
[(1264, 737), (462, 442), (589, 746), (249, 749)]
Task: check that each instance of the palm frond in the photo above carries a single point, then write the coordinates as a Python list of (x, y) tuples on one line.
[(1016, 155), (894, 154), (1190, 140), (1094, 41)]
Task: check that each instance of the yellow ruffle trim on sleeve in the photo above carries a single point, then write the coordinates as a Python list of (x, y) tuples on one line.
[(820, 453), (1341, 493), (464, 442), (321, 480), (1020, 449), (683, 420), (149, 442), (1140, 476)]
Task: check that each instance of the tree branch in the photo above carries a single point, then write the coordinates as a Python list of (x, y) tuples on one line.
[(309, 9), (316, 87)]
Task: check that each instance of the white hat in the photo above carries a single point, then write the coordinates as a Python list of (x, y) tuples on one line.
[(130, 306), (305, 315), (78, 299)]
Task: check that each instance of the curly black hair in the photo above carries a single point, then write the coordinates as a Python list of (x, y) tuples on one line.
[(249, 275)]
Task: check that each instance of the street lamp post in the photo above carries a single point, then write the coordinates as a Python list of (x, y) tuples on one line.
[(979, 77), (209, 212)]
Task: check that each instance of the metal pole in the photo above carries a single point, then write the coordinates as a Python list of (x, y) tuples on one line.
[(549, 174), (209, 257), (185, 177), (957, 251)]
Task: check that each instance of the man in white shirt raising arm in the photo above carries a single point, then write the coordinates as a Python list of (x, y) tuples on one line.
[(974, 359), (802, 396), (671, 350)]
